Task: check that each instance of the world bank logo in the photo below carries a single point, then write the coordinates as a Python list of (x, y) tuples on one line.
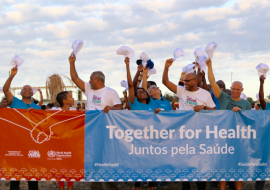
[(51, 153)]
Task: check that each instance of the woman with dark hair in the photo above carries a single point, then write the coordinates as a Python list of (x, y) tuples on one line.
[(140, 99)]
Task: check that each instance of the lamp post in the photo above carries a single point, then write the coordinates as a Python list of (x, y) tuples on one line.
[(231, 77)]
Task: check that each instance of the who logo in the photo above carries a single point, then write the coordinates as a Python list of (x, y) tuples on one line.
[(51, 154), (33, 154)]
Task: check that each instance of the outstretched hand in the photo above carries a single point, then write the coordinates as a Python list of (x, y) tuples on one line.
[(262, 78), (72, 58), (14, 71), (168, 63), (127, 61), (157, 110), (236, 109), (208, 62)]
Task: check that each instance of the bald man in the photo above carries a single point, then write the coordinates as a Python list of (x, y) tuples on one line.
[(191, 97), (25, 103), (99, 97), (26, 93), (234, 101)]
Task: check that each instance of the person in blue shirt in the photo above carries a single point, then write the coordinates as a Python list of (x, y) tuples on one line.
[(25, 103), (163, 104), (140, 100)]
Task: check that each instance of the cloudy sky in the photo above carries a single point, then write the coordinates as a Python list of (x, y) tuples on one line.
[(42, 32)]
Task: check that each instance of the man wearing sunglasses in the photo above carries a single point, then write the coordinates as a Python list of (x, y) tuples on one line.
[(191, 97)]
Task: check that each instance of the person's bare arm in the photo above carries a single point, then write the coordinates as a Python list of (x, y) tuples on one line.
[(261, 93), (173, 103), (215, 88), (130, 84), (165, 79), (6, 86), (205, 87), (41, 98), (199, 79), (144, 84), (126, 100), (201, 107), (73, 73), (137, 77)]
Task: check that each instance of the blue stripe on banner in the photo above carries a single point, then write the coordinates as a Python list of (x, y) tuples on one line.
[(177, 146)]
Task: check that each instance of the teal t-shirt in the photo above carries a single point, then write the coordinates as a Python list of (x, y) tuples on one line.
[(226, 103), (163, 104), (267, 106), (19, 104), (140, 106)]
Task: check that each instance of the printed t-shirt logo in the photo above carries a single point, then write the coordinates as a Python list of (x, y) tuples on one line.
[(96, 99), (192, 102)]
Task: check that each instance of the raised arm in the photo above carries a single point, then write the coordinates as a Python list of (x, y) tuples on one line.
[(165, 79), (73, 73), (137, 79), (6, 86), (261, 93), (126, 100), (41, 98), (211, 78), (199, 79), (144, 85), (173, 103), (204, 86), (130, 84)]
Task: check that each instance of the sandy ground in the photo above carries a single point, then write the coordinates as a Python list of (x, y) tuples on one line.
[(4, 185)]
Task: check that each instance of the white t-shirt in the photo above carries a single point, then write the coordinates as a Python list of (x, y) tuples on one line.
[(99, 99), (188, 100)]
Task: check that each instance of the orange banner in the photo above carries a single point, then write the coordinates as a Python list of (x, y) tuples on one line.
[(42, 146)]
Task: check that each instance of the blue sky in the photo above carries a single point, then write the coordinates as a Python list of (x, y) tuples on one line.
[(41, 32)]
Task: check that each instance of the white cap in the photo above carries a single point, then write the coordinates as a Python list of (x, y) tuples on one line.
[(124, 84), (262, 69), (198, 53), (1, 89), (202, 62), (190, 68), (144, 57), (210, 48), (257, 96), (125, 51), (178, 52), (17, 60), (243, 96), (34, 90), (77, 46)]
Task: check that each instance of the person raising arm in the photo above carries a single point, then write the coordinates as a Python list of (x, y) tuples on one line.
[(99, 97)]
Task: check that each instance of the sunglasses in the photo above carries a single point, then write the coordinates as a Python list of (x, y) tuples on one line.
[(188, 80)]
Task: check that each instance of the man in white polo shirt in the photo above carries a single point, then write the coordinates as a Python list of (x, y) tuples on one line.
[(98, 96)]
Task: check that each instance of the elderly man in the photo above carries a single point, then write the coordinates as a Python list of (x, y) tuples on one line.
[(98, 96), (233, 102), (191, 97), (25, 103)]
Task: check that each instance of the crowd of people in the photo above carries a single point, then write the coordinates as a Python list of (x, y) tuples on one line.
[(192, 92)]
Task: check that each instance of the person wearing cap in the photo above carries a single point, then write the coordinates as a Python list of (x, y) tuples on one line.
[(191, 97), (25, 103), (226, 102), (99, 97)]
